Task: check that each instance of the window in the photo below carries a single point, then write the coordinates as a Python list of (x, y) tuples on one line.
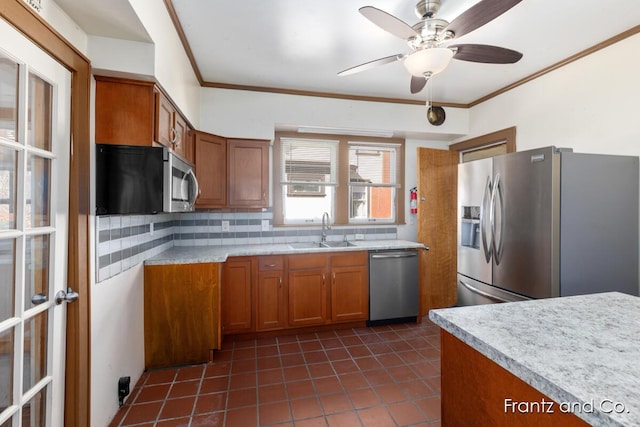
[(356, 180)]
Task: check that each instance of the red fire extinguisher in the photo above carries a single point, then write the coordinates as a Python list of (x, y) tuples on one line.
[(413, 203)]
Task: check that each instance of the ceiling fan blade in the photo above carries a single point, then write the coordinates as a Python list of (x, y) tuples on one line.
[(371, 64), (389, 23), (485, 53), (417, 84), (478, 15)]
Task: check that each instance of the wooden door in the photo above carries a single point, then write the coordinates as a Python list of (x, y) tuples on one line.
[(236, 296), (181, 133), (248, 171), (307, 297), (181, 313), (349, 293), (437, 213), (210, 159)]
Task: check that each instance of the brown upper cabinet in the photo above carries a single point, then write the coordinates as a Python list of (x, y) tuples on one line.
[(171, 129), (232, 173), (136, 112)]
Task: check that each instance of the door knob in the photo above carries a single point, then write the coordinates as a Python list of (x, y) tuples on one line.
[(38, 299), (68, 296)]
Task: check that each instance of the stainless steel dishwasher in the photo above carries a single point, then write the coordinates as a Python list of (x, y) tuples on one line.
[(393, 286)]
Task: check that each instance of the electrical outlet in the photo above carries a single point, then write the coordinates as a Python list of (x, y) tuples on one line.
[(265, 225), (359, 237), (151, 229), (225, 225)]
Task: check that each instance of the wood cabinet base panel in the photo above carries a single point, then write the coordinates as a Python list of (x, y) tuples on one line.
[(294, 331), (474, 389)]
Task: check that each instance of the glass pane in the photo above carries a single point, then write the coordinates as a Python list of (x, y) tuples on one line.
[(302, 160), (374, 165), (38, 191), (8, 167), (36, 268), (6, 369), (7, 278), (35, 350), (372, 203), (8, 98), (34, 412), (39, 113), (307, 206)]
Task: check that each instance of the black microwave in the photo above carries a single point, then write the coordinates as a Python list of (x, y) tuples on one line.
[(137, 180)]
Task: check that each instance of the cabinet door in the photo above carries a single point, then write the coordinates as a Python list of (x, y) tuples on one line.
[(124, 112), (181, 135), (181, 313), (307, 297), (210, 158), (164, 131), (270, 301), (248, 170), (236, 296), (349, 293)]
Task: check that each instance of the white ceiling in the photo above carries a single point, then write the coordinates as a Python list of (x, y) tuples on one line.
[(303, 44)]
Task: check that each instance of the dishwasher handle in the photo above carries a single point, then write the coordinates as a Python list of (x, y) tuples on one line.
[(407, 254)]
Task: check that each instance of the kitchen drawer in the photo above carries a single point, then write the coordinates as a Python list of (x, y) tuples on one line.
[(270, 263), (305, 261), (346, 259)]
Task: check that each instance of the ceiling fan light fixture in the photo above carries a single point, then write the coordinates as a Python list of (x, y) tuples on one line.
[(428, 61)]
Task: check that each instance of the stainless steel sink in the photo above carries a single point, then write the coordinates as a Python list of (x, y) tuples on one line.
[(310, 245), (341, 244)]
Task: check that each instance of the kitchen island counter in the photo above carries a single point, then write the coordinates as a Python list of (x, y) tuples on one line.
[(583, 352), (202, 254)]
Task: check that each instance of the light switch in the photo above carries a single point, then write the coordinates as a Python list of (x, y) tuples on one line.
[(265, 225), (225, 225)]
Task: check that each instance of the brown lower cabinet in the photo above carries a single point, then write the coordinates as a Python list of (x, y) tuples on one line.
[(189, 307), (181, 312), (269, 293), (237, 287)]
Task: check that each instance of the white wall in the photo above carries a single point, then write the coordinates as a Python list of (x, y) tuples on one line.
[(172, 68), (121, 55), (235, 113), (117, 340), (590, 105)]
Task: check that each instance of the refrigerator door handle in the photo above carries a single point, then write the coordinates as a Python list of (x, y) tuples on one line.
[(482, 293), (485, 213), (497, 243)]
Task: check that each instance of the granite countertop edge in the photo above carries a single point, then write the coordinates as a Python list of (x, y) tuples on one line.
[(535, 379), (205, 254)]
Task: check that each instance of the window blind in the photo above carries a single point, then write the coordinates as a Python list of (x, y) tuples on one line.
[(305, 160), (372, 165)]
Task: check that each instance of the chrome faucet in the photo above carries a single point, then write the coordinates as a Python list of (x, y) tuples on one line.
[(326, 225)]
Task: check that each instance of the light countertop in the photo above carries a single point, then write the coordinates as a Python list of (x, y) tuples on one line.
[(200, 254), (582, 349)]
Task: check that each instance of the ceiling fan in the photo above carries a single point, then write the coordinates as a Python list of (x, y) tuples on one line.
[(429, 36)]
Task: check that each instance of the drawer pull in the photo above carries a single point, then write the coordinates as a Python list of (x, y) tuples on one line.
[(271, 265)]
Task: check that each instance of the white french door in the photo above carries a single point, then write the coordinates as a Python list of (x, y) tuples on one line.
[(34, 167)]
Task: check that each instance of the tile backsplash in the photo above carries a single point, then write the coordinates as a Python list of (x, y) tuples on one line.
[(124, 241)]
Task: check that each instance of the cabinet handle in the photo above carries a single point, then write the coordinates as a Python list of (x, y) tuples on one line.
[(334, 278), (323, 279), (270, 265), (280, 280), (174, 137)]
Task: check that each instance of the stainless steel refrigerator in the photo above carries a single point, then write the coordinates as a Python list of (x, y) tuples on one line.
[(545, 223)]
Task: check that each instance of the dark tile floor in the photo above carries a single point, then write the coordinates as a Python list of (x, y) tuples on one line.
[(379, 376)]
